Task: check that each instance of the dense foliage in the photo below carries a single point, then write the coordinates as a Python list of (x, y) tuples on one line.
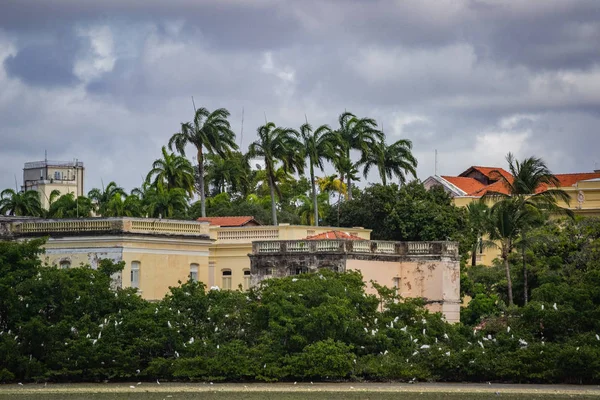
[(69, 325)]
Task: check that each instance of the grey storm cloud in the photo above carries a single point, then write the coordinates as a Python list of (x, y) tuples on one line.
[(108, 82)]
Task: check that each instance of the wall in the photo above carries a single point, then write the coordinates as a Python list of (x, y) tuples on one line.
[(232, 246), (163, 261), (437, 281)]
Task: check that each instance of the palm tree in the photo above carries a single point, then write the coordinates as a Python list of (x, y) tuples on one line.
[(395, 159), (232, 173), (355, 134), (276, 144), (20, 203), (208, 131), (331, 183), (161, 202), (68, 206), (130, 206), (318, 145), (478, 216), (531, 190), (172, 172), (305, 208), (101, 197)]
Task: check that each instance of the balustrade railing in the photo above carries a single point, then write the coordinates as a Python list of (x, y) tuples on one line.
[(239, 234), (355, 246)]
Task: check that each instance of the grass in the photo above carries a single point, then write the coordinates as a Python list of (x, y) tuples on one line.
[(271, 395)]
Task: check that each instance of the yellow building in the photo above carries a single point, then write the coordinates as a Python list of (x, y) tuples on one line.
[(229, 265), (46, 176), (157, 253), (582, 188)]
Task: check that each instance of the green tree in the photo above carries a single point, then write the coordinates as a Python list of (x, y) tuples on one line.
[(354, 134), (101, 197), (20, 203), (478, 216), (208, 131), (393, 160), (318, 145), (68, 206), (532, 189), (276, 144), (231, 173), (130, 206), (161, 202), (172, 172)]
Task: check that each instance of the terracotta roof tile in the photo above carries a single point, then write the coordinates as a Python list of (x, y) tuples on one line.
[(496, 187), (334, 235), (467, 185), (567, 180), (489, 172), (228, 221)]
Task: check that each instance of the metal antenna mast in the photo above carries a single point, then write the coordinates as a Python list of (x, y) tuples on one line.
[(436, 163)]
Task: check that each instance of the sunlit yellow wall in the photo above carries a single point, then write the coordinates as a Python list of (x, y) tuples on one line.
[(163, 261)]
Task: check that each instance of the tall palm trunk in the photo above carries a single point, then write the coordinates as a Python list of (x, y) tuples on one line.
[(273, 207), (474, 255), (508, 279), (314, 194), (201, 178)]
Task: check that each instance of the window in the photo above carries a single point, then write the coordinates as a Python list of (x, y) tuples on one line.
[(226, 283), (397, 285), (65, 264), (57, 175), (247, 279), (135, 274), (194, 272)]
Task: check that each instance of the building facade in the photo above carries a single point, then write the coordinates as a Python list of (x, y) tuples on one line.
[(472, 184), (46, 176), (428, 270)]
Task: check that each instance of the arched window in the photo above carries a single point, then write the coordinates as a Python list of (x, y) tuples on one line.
[(226, 280), (247, 279), (135, 274), (194, 272), (65, 264)]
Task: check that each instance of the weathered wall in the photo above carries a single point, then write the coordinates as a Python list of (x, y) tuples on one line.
[(438, 282)]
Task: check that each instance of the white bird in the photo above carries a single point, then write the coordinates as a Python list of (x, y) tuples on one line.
[(20, 384), (448, 354), (508, 329), (375, 320), (366, 330), (132, 387), (446, 336), (481, 344), (423, 331), (577, 349), (396, 319), (217, 346), (404, 329), (265, 366), (425, 346), (139, 383), (99, 334), (88, 336), (554, 306), (415, 353), (597, 337), (424, 321), (94, 341), (137, 371), (295, 383), (191, 340), (169, 324), (294, 279), (177, 354), (542, 307), (157, 382), (385, 352), (522, 342)]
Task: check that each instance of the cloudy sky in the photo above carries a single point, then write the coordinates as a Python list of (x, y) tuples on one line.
[(108, 82)]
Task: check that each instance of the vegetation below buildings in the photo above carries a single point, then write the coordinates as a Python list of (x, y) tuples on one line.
[(68, 325)]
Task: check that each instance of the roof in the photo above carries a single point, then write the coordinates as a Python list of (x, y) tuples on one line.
[(496, 187), (229, 221), (334, 235), (489, 172), (567, 180), (467, 185)]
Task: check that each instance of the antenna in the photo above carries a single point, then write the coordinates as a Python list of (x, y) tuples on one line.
[(436, 163), (242, 130), (265, 117), (16, 188), (46, 155), (305, 118), (194, 104)]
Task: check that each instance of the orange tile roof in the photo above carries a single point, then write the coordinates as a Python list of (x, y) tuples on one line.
[(334, 235), (567, 180), (496, 187), (467, 185), (228, 221), (491, 171)]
